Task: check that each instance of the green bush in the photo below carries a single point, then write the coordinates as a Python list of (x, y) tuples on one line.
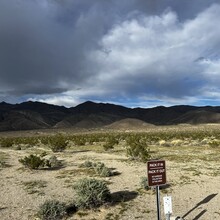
[(79, 140), (102, 170), (105, 172), (91, 193), (7, 142), (36, 162), (26, 141), (32, 161), (52, 210), (87, 164), (45, 140), (99, 168), (110, 143), (214, 143), (137, 149), (58, 143), (108, 146), (43, 154)]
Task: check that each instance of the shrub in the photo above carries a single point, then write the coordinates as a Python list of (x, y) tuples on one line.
[(53, 162), (79, 140), (35, 162), (99, 168), (52, 210), (102, 170), (137, 149), (105, 172), (45, 140), (108, 146), (91, 193), (43, 154), (32, 161), (110, 143), (7, 142), (17, 147), (87, 164), (58, 143), (214, 143)]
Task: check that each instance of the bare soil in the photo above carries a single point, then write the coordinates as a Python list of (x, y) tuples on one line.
[(193, 184)]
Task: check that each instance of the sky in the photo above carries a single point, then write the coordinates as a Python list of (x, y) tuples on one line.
[(136, 53)]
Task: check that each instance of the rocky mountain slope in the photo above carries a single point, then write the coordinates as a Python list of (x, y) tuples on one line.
[(37, 115)]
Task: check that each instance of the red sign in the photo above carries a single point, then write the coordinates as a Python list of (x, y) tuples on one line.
[(156, 172)]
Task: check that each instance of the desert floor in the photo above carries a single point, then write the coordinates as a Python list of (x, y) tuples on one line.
[(193, 178)]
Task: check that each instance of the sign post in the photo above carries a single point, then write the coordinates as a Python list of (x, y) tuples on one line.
[(156, 172), (158, 202)]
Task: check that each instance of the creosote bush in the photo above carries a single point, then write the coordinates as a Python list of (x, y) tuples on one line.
[(32, 161), (36, 162), (137, 149), (102, 170), (6, 142), (79, 140), (110, 143), (52, 210), (87, 164), (214, 143), (58, 143), (91, 193), (99, 168)]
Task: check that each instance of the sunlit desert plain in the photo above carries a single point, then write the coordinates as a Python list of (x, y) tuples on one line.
[(192, 155)]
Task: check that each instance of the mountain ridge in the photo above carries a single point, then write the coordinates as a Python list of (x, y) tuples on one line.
[(37, 115)]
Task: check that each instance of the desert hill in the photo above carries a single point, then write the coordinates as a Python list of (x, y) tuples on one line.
[(37, 115), (199, 117), (129, 124)]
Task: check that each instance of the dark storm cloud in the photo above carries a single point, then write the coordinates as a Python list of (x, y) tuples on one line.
[(43, 44), (65, 51), (37, 50)]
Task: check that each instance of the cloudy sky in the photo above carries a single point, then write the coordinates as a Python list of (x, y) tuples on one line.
[(130, 52)]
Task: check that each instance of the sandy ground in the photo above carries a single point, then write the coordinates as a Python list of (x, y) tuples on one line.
[(194, 188)]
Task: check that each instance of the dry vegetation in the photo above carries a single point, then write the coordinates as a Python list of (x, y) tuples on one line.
[(192, 159)]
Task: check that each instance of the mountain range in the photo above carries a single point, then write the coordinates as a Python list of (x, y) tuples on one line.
[(36, 115)]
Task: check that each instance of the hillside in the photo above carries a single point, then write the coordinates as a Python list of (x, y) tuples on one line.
[(37, 115), (129, 124)]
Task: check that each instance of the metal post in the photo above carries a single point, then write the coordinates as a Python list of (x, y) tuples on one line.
[(158, 202)]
